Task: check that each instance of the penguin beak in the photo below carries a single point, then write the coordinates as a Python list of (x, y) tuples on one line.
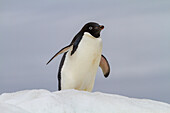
[(101, 27)]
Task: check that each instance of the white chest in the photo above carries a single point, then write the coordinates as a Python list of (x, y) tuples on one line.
[(79, 70)]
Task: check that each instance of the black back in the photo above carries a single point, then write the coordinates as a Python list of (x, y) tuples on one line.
[(59, 71)]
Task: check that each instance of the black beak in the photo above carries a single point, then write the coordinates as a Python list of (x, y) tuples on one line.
[(101, 27)]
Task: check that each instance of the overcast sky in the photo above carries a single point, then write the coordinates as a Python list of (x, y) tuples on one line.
[(136, 42)]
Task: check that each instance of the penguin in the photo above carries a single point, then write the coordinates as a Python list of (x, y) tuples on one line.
[(81, 59)]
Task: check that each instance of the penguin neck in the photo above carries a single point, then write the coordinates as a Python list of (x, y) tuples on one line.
[(88, 35)]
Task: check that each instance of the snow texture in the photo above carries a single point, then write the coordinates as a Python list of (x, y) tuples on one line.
[(73, 101)]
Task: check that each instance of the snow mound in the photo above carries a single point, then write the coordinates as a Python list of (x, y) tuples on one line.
[(73, 101)]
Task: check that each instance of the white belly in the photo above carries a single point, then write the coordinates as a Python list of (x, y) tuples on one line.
[(79, 70)]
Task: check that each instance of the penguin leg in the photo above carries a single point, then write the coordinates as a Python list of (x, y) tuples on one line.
[(90, 87)]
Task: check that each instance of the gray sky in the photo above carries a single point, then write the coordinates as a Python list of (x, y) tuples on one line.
[(136, 41)]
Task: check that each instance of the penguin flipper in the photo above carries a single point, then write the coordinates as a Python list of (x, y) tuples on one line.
[(104, 65), (63, 50)]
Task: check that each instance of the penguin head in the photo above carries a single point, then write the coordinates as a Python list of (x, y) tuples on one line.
[(93, 28)]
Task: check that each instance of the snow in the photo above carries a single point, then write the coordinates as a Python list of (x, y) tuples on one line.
[(73, 101)]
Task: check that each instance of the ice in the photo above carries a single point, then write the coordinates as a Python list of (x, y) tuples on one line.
[(73, 101)]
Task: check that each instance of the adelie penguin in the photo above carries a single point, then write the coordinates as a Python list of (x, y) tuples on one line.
[(81, 59)]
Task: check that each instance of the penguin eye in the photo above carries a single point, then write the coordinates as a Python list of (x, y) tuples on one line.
[(90, 27)]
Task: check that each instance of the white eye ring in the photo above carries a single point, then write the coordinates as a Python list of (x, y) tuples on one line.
[(90, 27)]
